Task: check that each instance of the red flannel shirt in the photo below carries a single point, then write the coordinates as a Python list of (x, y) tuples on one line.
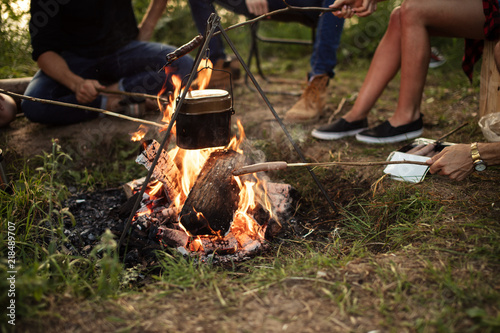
[(474, 48)]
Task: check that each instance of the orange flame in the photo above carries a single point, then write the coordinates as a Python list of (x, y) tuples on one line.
[(169, 109), (190, 163), (235, 143), (139, 134), (155, 188), (204, 74), (244, 223)]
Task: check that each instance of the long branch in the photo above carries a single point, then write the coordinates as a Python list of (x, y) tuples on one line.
[(278, 11), (132, 94), (198, 40), (83, 107)]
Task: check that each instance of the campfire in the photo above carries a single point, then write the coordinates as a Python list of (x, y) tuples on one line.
[(193, 202)]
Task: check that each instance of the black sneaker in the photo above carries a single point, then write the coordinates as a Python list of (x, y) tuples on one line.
[(340, 129), (386, 133)]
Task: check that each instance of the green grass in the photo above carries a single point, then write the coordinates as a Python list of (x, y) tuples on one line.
[(42, 265)]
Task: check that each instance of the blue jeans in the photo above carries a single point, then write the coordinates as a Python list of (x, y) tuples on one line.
[(328, 33), (135, 66)]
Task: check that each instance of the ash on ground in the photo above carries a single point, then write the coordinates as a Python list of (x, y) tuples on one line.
[(95, 212)]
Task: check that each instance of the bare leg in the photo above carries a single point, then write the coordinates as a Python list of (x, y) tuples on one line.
[(419, 20), (384, 66)]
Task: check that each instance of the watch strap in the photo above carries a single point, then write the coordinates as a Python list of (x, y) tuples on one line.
[(474, 152), (477, 162)]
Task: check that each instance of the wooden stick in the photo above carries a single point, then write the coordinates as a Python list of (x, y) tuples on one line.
[(83, 107), (280, 165), (339, 108), (132, 94), (198, 40), (450, 133), (278, 11)]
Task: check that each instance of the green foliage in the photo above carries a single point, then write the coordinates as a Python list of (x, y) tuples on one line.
[(361, 36), (43, 264), (15, 53), (105, 256)]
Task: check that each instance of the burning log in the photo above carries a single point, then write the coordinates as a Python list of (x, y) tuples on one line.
[(214, 198), (165, 171)]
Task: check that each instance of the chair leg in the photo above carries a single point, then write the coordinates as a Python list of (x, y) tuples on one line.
[(254, 49)]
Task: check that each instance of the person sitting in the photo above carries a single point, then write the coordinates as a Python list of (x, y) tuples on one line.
[(405, 46), (84, 46), (323, 58), (460, 160)]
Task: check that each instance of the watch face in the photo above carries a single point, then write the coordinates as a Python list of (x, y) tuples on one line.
[(479, 166)]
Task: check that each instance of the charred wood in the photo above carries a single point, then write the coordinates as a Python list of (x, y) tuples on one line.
[(214, 198), (172, 237), (165, 170)]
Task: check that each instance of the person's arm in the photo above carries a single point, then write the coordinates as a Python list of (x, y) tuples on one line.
[(56, 67), (257, 7), (456, 161), (150, 19), (349, 8)]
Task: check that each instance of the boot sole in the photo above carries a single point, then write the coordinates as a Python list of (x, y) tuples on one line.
[(301, 121)]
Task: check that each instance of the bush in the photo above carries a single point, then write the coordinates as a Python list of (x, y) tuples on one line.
[(15, 53)]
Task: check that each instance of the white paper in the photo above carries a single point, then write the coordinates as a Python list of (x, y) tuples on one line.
[(412, 173)]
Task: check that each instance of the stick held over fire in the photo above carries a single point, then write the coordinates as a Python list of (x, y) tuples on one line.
[(280, 165)]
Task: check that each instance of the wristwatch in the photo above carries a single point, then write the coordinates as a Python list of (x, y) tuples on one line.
[(479, 164)]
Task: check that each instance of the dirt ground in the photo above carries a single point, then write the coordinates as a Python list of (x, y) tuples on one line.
[(293, 305)]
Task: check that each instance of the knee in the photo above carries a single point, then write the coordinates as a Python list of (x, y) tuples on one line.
[(412, 12), (31, 110), (395, 20)]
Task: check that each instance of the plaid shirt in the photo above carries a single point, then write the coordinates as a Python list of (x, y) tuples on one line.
[(473, 47)]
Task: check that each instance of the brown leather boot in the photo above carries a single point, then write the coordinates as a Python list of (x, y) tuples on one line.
[(226, 70), (310, 105)]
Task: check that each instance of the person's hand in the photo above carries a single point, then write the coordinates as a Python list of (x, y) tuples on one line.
[(86, 90), (346, 12), (367, 8), (454, 161), (257, 7), (423, 150), (349, 8)]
